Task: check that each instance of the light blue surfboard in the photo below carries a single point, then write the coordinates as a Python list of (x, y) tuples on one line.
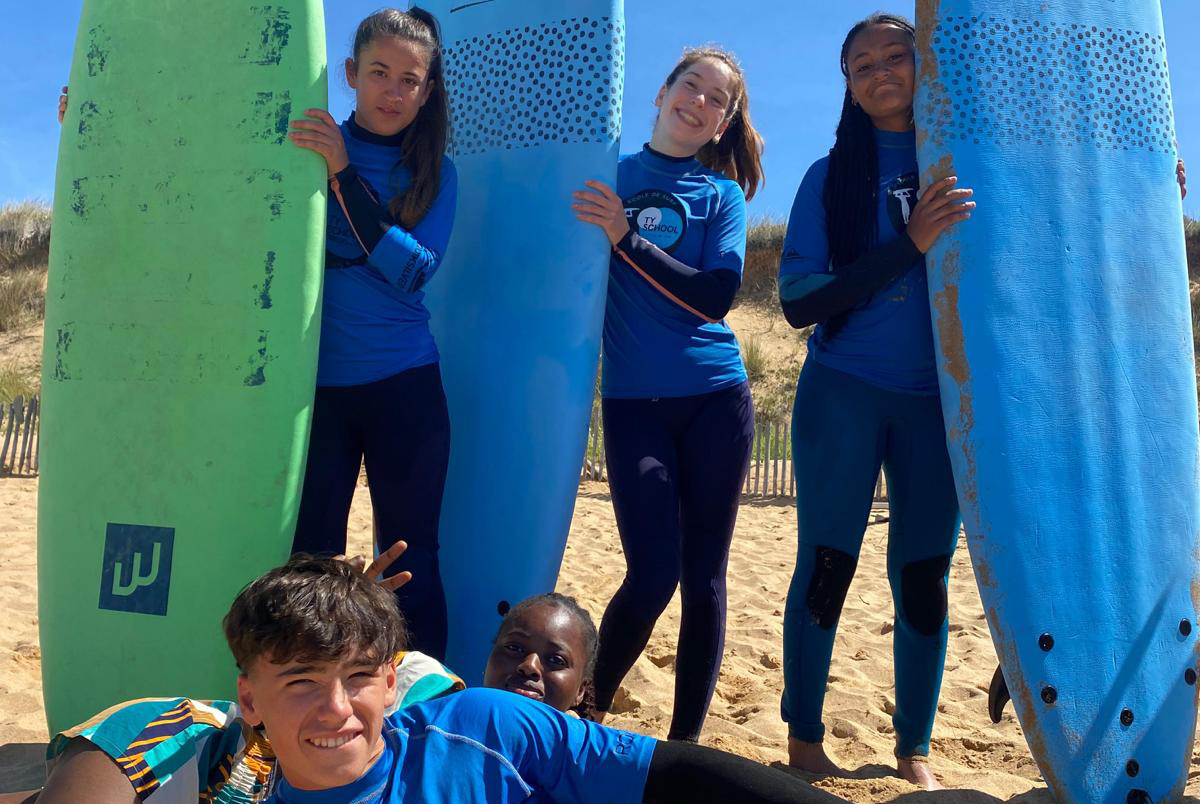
[(1067, 376), (517, 307)]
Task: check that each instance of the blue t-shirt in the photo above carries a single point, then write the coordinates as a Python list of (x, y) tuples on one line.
[(652, 346), (483, 746), (888, 339), (372, 326)]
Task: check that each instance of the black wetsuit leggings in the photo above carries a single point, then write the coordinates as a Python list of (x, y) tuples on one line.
[(401, 427), (681, 773), (675, 467)]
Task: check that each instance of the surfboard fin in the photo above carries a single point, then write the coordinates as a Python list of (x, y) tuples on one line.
[(998, 696)]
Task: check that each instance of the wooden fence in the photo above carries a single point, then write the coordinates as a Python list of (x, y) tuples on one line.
[(771, 472), (19, 422)]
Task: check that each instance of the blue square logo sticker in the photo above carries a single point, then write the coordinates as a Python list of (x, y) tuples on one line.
[(136, 574)]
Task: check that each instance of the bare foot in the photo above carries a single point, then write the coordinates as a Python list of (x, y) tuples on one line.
[(811, 757), (919, 773), (598, 716)]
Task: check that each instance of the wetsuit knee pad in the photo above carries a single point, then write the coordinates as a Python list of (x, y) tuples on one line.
[(832, 572), (923, 593)]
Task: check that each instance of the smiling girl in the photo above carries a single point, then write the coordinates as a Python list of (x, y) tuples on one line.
[(678, 418), (853, 263), (379, 391)]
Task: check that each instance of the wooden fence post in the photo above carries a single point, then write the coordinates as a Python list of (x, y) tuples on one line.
[(792, 460), (8, 434), (37, 450), (16, 413), (23, 458), (768, 470), (775, 461), (757, 457)]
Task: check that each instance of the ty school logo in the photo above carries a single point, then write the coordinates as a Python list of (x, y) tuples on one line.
[(659, 217), (136, 573)]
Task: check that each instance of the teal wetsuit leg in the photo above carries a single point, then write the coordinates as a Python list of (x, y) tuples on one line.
[(922, 536), (837, 446), (843, 430)]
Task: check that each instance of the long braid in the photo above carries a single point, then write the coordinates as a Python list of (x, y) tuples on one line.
[(851, 192)]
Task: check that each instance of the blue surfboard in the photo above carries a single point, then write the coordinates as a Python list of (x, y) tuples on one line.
[(517, 306), (1067, 376)]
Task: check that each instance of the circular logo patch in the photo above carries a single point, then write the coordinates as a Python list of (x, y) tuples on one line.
[(657, 216)]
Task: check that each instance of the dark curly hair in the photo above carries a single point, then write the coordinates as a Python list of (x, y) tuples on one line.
[(314, 610)]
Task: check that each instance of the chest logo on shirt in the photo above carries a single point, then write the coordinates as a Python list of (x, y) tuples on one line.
[(901, 198), (658, 216)]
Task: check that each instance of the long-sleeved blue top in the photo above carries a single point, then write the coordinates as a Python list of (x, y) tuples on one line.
[(886, 334), (672, 279), (374, 321)]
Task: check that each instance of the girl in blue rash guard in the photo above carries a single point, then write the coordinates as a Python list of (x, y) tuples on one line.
[(678, 419), (853, 263), (379, 391)]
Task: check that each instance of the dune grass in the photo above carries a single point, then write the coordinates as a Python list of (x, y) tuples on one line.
[(760, 274), (1191, 236), (24, 254), (22, 298), (16, 382), (754, 358), (24, 236)]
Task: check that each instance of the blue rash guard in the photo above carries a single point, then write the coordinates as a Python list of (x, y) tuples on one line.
[(886, 335), (485, 746), (660, 337), (374, 321)]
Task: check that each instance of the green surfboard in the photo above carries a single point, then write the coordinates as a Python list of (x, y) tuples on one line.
[(182, 321)]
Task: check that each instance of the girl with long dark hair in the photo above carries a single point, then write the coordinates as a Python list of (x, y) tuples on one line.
[(678, 418), (853, 263), (379, 390)]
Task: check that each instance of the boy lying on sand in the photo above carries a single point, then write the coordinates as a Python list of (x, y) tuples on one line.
[(314, 640)]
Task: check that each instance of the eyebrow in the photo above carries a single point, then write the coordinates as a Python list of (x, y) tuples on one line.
[(308, 669), (387, 66), (895, 42), (716, 91), (297, 670), (517, 630)]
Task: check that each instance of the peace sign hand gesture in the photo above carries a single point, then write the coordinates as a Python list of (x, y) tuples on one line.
[(375, 569)]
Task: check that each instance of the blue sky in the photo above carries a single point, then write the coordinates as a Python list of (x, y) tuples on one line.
[(788, 47)]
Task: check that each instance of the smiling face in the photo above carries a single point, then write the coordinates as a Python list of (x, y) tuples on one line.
[(882, 75), (324, 719), (695, 108), (391, 83), (540, 654)]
